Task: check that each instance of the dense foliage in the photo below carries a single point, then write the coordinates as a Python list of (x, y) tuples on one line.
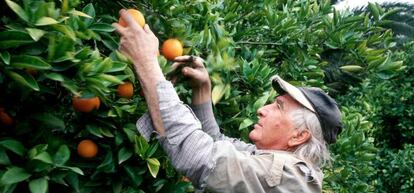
[(53, 50)]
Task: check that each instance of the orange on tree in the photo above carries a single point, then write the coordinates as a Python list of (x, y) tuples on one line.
[(172, 48), (87, 148), (137, 15), (5, 118), (85, 105), (125, 90)]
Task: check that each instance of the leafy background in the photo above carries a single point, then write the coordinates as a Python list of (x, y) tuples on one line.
[(53, 50)]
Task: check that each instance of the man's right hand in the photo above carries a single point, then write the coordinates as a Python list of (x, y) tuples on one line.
[(198, 77)]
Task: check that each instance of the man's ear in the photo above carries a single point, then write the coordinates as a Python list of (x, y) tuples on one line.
[(299, 138)]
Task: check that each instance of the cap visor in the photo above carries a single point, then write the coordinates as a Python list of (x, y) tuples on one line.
[(279, 84)]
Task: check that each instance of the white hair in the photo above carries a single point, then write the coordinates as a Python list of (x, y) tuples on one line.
[(315, 150)]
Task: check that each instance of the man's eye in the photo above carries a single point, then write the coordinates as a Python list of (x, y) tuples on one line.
[(278, 106)]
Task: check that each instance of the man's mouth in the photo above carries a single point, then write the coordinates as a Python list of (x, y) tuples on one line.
[(257, 125)]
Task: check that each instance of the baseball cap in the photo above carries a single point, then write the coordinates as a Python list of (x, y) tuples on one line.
[(317, 101)]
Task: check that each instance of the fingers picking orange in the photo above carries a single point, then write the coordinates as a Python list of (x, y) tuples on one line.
[(125, 90), (87, 148), (137, 15), (172, 48), (85, 105)]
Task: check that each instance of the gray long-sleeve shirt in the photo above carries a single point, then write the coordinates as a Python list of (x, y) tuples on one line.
[(219, 163)]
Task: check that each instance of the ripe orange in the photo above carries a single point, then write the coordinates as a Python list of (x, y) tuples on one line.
[(87, 148), (126, 90), (172, 48), (5, 118), (85, 105), (137, 15)]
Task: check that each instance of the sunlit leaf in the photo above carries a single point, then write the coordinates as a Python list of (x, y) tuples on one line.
[(39, 185), (153, 166), (18, 10)]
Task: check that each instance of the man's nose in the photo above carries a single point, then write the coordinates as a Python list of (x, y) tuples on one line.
[(261, 111)]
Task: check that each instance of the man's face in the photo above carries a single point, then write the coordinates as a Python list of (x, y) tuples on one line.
[(275, 127)]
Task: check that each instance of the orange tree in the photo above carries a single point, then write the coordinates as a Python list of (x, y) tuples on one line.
[(54, 51)]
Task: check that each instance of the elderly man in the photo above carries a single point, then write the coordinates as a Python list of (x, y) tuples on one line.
[(290, 138)]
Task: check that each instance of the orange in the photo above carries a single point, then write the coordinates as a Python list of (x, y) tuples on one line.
[(126, 90), (85, 105), (5, 118), (137, 15), (87, 148), (172, 48)]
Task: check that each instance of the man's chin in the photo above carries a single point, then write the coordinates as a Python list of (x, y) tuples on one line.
[(253, 136)]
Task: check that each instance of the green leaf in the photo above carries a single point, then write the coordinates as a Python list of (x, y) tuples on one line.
[(151, 150), (217, 93), (24, 79), (45, 21), (79, 13), (65, 29), (73, 180), (260, 102), (107, 165), (110, 78), (117, 66), (135, 174), (102, 27), (73, 169), (94, 130), (4, 159), (141, 146), (391, 66), (110, 42), (5, 56), (33, 62), (123, 155), (106, 132), (39, 185), (71, 86), (246, 123), (14, 146), (50, 120), (14, 175), (89, 10), (62, 155), (11, 39), (374, 10), (18, 10), (44, 157), (153, 166), (36, 34), (130, 132), (351, 68), (55, 76)]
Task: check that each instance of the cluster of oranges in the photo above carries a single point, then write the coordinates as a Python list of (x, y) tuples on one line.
[(170, 49)]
